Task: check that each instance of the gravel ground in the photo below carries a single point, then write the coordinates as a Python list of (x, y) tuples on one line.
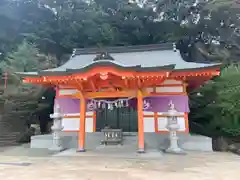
[(193, 166)]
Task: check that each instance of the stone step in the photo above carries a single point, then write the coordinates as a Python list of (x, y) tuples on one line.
[(8, 126), (9, 134), (10, 122), (7, 144), (5, 122), (8, 139)]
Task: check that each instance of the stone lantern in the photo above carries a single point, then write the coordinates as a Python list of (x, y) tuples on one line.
[(56, 129), (173, 127)]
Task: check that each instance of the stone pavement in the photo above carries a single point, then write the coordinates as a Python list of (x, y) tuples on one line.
[(194, 166)]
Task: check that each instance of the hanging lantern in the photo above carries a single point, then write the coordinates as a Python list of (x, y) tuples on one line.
[(121, 103), (95, 104), (127, 104), (99, 104), (111, 106)]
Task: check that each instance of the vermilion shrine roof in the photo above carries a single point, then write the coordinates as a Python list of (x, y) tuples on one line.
[(139, 58)]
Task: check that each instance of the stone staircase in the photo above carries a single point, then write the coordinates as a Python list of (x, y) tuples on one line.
[(17, 104), (9, 139), (9, 131)]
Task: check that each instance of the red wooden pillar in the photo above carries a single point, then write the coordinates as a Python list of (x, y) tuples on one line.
[(140, 122), (81, 132)]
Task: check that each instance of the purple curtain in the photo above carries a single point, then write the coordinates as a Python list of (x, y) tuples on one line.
[(161, 104), (68, 105), (155, 104)]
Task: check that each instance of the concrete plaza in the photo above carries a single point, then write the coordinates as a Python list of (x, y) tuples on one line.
[(193, 166)]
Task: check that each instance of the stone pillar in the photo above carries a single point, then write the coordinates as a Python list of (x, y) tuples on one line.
[(56, 129), (173, 127)]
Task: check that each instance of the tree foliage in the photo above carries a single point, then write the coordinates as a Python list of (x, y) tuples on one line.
[(56, 27), (24, 59), (207, 30), (216, 105), (21, 102)]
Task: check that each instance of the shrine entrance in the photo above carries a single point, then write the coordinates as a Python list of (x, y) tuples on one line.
[(124, 118)]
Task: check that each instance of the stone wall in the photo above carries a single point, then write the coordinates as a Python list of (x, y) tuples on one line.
[(153, 141)]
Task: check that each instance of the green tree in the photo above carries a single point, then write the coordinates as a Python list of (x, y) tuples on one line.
[(56, 27), (8, 26), (216, 105), (24, 59), (24, 99), (27, 58)]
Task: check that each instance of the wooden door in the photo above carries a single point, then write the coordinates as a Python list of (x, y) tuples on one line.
[(124, 118)]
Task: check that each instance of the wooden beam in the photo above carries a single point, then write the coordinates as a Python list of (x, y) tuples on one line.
[(111, 83), (185, 87), (126, 83), (93, 85), (79, 85), (139, 83), (140, 122), (81, 133), (74, 84), (111, 94)]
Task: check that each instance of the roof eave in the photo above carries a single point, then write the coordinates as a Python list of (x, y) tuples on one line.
[(121, 68), (108, 64), (216, 66), (23, 74)]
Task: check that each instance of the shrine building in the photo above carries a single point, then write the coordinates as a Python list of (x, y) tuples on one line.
[(125, 87)]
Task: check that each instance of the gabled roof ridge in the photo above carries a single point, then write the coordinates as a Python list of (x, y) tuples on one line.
[(124, 49)]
